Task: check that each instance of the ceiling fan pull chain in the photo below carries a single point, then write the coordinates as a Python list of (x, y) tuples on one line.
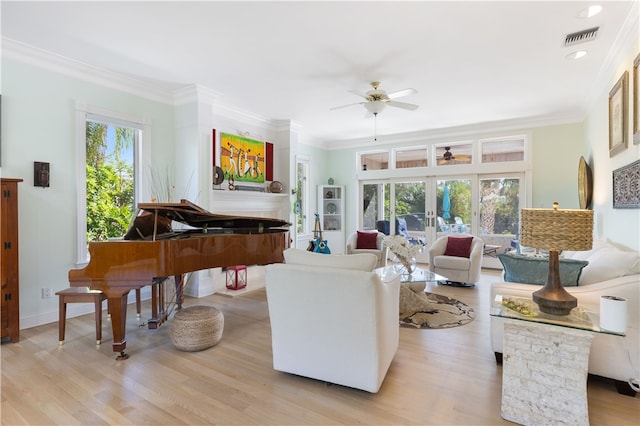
[(375, 127)]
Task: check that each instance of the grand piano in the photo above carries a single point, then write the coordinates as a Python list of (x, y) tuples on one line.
[(153, 250)]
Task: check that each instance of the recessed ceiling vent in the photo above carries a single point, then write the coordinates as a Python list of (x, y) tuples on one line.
[(581, 37)]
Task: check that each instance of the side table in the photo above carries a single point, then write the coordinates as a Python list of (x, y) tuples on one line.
[(545, 364)]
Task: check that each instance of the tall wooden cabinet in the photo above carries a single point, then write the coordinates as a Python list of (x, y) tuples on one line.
[(10, 308)]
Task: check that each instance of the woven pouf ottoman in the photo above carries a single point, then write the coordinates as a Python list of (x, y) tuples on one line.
[(196, 328)]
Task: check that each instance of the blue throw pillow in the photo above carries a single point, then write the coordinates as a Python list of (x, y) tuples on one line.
[(534, 270)]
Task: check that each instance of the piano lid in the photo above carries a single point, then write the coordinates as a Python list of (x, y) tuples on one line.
[(190, 214)]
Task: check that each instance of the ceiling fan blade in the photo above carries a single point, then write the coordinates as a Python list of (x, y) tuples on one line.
[(401, 93), (403, 105), (362, 95), (347, 105)]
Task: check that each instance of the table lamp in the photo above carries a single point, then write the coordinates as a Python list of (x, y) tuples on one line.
[(556, 229)]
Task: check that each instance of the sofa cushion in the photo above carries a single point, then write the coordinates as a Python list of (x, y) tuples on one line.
[(606, 262), (367, 240), (534, 270), (458, 246), (360, 261)]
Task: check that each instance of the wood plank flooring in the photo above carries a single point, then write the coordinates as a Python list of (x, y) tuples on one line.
[(438, 377)]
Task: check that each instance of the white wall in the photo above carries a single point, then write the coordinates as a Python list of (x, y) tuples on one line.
[(618, 226), (39, 124)]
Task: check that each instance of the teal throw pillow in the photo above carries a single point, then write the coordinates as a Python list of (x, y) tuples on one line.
[(534, 270)]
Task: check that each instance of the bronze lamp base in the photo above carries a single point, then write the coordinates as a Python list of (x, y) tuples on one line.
[(553, 298)]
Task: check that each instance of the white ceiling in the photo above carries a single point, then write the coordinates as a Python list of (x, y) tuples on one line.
[(471, 62)]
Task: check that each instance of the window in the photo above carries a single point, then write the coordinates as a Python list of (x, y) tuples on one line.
[(374, 161), (450, 155), (500, 206), (109, 169), (110, 182), (411, 157), (496, 151)]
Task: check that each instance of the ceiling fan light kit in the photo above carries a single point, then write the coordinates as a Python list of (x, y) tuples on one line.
[(375, 107), (377, 99)]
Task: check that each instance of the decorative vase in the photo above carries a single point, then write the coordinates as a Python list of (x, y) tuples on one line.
[(404, 266)]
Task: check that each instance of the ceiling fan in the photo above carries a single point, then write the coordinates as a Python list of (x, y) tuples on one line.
[(377, 99), (448, 157)]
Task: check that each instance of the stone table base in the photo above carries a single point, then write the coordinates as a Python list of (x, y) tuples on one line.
[(544, 376)]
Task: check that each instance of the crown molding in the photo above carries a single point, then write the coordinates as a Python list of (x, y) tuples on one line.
[(63, 65), (195, 93)]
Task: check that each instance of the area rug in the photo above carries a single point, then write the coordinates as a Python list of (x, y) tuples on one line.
[(440, 312)]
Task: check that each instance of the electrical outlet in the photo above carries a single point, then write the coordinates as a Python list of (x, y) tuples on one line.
[(46, 293)]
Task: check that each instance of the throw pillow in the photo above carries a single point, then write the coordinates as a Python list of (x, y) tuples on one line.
[(367, 240), (534, 270), (458, 246)]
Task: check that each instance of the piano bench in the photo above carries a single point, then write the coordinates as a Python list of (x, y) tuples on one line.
[(79, 295), (196, 328), (84, 295)]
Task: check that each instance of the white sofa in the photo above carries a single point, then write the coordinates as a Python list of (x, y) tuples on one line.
[(456, 269), (610, 272), (332, 318)]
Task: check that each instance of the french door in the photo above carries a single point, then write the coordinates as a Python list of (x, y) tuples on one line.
[(423, 209)]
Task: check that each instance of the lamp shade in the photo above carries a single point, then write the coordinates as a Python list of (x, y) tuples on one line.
[(560, 229)]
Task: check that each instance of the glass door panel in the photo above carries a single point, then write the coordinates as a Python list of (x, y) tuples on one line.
[(409, 213), (453, 207), (375, 207), (499, 219)]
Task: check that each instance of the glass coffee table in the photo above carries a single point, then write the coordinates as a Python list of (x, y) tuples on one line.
[(412, 295)]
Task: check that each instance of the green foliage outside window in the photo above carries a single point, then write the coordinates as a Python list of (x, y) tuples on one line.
[(110, 182)]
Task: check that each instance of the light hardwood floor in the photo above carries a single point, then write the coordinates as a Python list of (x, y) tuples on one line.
[(442, 377)]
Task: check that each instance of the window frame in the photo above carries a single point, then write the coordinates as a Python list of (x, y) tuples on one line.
[(141, 157)]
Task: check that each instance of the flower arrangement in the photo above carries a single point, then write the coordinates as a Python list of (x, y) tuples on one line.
[(402, 249)]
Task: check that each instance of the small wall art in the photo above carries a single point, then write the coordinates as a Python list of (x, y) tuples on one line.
[(626, 186), (618, 115), (242, 158)]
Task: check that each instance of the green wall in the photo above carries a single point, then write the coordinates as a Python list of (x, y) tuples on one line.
[(39, 124)]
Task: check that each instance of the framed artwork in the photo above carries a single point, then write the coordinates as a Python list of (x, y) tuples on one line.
[(626, 186), (618, 115), (636, 101), (242, 158)]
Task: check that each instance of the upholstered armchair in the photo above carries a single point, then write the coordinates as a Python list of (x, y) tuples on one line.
[(332, 318), (368, 242), (458, 259)]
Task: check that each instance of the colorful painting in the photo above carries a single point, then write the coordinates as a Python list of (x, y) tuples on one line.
[(242, 158)]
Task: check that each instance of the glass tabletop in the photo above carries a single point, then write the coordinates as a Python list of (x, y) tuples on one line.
[(524, 309), (418, 276)]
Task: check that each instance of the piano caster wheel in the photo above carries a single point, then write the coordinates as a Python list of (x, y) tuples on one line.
[(98, 342), (122, 356), (60, 342)]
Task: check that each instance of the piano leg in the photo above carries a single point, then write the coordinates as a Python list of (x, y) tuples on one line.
[(118, 308), (179, 279)]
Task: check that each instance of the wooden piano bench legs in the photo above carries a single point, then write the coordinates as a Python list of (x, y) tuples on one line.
[(79, 295)]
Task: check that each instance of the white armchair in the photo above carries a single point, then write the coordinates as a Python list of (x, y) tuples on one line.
[(458, 270), (380, 251), (331, 322)]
